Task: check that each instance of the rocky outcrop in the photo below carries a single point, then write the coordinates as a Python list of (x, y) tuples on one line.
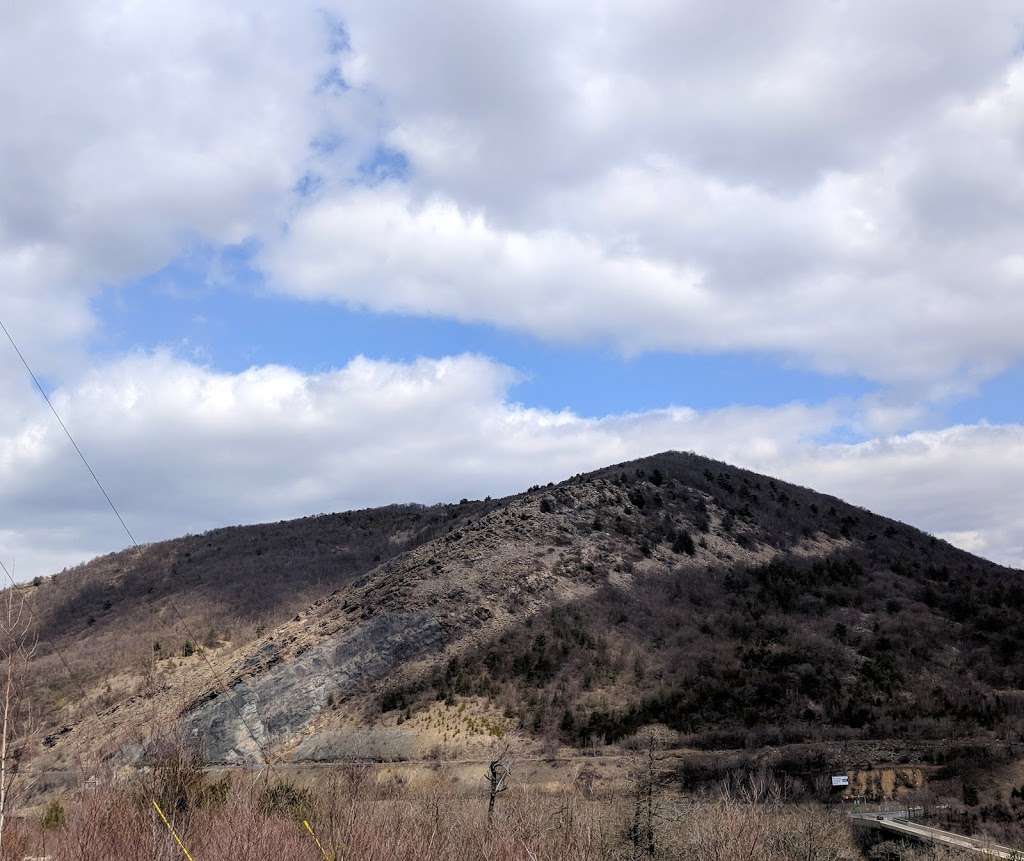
[(407, 615), (694, 594)]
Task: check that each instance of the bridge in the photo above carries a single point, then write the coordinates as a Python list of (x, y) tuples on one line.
[(897, 824)]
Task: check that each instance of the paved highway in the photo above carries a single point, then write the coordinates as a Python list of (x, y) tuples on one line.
[(896, 824)]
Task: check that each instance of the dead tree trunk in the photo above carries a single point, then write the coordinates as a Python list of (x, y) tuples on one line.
[(498, 773), (647, 784), (8, 685), (15, 652)]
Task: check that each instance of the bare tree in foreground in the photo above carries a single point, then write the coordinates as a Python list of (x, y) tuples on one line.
[(498, 773), (648, 780), (16, 649)]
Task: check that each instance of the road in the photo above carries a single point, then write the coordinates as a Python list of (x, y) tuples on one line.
[(896, 824)]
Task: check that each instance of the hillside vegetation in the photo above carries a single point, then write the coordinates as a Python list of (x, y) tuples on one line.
[(744, 611), (728, 606), (122, 617)]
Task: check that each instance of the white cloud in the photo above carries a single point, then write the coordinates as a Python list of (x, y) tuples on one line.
[(184, 448), (129, 126), (965, 483), (377, 251), (500, 101), (130, 131), (839, 184)]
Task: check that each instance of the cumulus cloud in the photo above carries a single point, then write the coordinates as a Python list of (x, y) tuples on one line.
[(836, 185), (963, 483), (499, 101), (376, 251), (185, 448), (133, 130), (840, 185)]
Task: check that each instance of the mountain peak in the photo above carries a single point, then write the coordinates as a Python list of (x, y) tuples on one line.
[(672, 589)]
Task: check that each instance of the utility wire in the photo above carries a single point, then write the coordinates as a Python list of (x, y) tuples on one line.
[(53, 644), (67, 433), (57, 649), (136, 545)]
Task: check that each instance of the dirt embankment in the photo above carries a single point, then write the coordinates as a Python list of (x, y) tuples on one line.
[(885, 783)]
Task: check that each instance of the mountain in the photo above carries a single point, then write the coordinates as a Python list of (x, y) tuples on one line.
[(103, 627), (729, 607)]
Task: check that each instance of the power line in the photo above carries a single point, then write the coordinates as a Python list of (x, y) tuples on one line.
[(202, 652), (75, 680), (67, 433), (57, 649)]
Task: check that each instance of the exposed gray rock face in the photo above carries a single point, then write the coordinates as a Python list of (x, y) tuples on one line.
[(404, 617), (277, 699), (670, 557)]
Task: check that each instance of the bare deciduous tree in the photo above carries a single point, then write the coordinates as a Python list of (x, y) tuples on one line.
[(498, 773), (648, 779), (17, 646)]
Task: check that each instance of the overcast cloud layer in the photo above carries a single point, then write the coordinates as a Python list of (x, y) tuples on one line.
[(839, 185)]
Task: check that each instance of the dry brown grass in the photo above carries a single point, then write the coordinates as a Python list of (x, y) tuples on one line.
[(358, 819)]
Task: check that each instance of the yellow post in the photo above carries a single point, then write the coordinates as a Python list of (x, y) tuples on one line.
[(173, 832), (323, 851)]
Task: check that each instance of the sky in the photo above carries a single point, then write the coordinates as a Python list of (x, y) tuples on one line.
[(272, 260)]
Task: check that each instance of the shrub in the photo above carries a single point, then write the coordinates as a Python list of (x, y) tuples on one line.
[(53, 816), (684, 543), (284, 798), (177, 779)]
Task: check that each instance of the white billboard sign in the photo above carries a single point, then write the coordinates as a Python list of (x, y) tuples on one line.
[(840, 780)]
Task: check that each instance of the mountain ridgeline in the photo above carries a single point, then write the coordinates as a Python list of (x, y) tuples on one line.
[(675, 590)]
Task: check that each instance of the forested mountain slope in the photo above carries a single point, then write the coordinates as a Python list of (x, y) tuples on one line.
[(674, 590), (120, 617)]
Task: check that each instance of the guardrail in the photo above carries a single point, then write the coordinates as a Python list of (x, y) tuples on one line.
[(893, 822)]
